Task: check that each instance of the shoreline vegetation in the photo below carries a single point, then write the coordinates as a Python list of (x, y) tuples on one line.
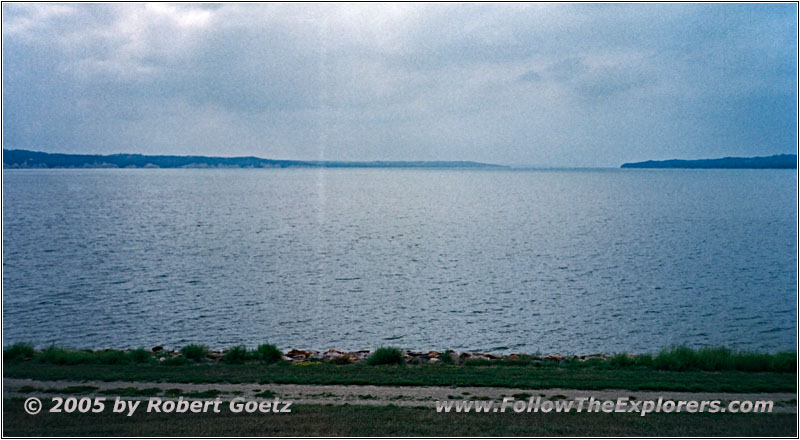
[(678, 358), (38, 159), (677, 368)]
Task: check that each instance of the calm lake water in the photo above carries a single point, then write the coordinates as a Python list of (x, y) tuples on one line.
[(574, 261)]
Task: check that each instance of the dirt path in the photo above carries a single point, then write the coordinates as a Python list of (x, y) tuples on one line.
[(370, 394)]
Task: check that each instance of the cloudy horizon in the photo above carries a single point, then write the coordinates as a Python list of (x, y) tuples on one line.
[(519, 84)]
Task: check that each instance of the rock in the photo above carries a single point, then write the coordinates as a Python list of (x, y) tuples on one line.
[(433, 354), (484, 356), (295, 352), (418, 357), (156, 349), (361, 354), (286, 358), (595, 356), (331, 353), (299, 355), (554, 358)]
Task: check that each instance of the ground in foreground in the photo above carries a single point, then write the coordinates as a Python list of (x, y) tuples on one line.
[(319, 420)]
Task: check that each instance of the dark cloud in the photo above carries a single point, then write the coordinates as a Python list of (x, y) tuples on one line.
[(547, 84)]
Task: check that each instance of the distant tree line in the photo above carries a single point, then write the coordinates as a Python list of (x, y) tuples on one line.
[(36, 159)]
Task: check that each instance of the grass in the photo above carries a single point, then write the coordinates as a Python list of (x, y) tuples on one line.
[(61, 356), (386, 356), (531, 376), (371, 421), (268, 354), (683, 358), (446, 358), (176, 360), (236, 355), (18, 351), (64, 356), (139, 356), (195, 352)]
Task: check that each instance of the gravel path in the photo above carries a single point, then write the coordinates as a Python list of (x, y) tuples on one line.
[(374, 395)]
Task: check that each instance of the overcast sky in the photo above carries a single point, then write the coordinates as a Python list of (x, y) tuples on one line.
[(527, 84)]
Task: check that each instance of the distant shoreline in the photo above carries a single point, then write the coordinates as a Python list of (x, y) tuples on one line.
[(35, 159), (778, 161)]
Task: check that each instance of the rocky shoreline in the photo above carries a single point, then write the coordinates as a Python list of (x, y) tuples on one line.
[(411, 357)]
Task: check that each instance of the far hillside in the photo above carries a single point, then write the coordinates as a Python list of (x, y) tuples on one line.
[(785, 161)]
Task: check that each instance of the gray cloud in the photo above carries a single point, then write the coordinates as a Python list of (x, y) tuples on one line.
[(545, 84)]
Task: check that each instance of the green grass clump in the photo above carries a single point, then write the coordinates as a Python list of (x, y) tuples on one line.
[(18, 351), (644, 360), (386, 356), (195, 352), (683, 358), (64, 356), (752, 362), (268, 353), (236, 355), (623, 360), (446, 358), (139, 356), (61, 356), (679, 358), (784, 362)]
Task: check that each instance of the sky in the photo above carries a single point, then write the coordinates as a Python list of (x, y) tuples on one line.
[(546, 84)]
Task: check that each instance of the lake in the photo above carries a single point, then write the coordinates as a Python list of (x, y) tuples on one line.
[(550, 261)]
